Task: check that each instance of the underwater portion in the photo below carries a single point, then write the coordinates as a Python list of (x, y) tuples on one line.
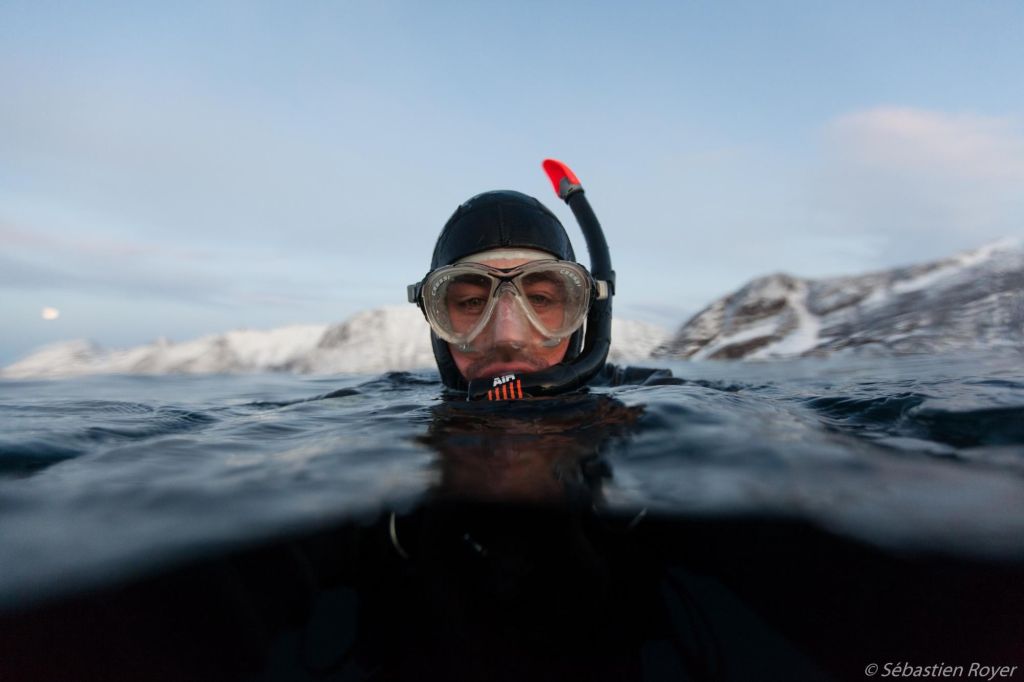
[(804, 517)]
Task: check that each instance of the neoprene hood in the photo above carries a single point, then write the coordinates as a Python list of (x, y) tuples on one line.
[(499, 219)]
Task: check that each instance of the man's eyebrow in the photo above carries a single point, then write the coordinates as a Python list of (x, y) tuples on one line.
[(543, 277)]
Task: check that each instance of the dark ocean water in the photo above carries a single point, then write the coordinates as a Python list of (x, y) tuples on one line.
[(884, 494)]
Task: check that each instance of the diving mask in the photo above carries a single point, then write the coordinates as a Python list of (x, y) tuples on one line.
[(551, 296)]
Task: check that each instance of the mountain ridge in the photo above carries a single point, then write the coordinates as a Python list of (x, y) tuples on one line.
[(971, 300), (370, 341)]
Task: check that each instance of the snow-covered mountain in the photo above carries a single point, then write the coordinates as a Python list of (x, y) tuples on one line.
[(972, 300), (372, 341)]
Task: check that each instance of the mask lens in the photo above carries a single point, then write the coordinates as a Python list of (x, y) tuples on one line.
[(545, 293), (465, 300), (557, 296), (456, 301)]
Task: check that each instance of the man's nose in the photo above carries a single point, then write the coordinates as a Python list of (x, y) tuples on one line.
[(510, 326)]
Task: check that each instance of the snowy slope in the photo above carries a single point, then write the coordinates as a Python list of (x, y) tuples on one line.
[(372, 341), (972, 300)]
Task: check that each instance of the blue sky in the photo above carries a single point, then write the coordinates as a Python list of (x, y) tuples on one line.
[(175, 170)]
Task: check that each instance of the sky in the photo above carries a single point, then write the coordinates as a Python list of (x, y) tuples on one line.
[(169, 170)]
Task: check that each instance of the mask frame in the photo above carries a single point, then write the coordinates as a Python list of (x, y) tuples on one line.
[(430, 294)]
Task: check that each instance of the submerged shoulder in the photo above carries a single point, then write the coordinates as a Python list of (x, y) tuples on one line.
[(614, 375)]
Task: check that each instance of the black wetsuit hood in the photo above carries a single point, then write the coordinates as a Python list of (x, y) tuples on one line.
[(500, 219)]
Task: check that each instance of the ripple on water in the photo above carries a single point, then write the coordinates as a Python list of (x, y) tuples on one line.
[(972, 428), (159, 422), (24, 458), (883, 409), (77, 407)]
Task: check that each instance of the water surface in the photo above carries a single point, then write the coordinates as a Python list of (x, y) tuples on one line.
[(104, 478)]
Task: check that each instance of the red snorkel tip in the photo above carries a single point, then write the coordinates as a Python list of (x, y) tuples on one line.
[(562, 178)]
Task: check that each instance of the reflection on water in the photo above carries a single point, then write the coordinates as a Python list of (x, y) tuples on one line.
[(532, 451)]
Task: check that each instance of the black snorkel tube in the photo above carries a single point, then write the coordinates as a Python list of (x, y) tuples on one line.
[(572, 375)]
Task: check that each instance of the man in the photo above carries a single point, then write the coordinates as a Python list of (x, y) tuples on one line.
[(504, 293), (506, 300)]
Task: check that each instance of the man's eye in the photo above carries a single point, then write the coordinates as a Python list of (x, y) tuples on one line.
[(472, 305), (540, 301)]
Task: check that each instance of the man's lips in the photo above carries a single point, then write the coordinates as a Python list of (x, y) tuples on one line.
[(504, 368)]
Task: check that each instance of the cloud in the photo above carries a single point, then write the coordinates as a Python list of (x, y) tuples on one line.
[(188, 160), (916, 143), (35, 271), (35, 259), (15, 237), (905, 174)]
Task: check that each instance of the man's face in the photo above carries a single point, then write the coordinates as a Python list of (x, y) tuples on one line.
[(509, 343)]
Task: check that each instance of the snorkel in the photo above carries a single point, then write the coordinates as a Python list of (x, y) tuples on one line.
[(569, 375)]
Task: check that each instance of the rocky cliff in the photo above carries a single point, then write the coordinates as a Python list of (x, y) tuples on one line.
[(972, 300)]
